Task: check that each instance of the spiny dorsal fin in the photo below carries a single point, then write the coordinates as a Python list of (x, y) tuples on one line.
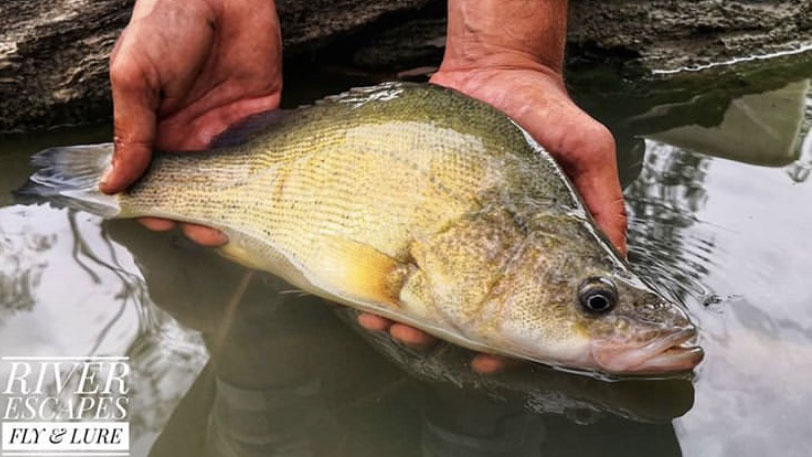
[(255, 125), (248, 128), (361, 95)]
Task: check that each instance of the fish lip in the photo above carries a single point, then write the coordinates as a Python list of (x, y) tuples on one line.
[(675, 353), (675, 359)]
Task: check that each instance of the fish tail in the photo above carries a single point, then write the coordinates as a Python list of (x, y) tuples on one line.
[(69, 177)]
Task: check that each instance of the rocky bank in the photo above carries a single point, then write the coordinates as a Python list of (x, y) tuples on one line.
[(53, 53)]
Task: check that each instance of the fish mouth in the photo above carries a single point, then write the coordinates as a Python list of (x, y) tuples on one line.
[(674, 352)]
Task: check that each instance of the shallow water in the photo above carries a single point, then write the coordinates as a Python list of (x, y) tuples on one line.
[(230, 362)]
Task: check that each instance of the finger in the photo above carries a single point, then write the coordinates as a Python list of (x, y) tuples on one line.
[(135, 100), (205, 236), (610, 215), (491, 364), (593, 164), (373, 322), (603, 197), (411, 336), (156, 224)]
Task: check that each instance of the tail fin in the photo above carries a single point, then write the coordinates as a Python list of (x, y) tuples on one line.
[(70, 177)]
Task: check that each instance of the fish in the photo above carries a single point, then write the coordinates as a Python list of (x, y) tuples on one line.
[(416, 203), (533, 387)]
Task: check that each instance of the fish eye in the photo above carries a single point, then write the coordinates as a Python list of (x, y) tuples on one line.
[(597, 295)]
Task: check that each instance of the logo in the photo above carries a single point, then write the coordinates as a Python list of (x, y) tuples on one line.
[(65, 406)]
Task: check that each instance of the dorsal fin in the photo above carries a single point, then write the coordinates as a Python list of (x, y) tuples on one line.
[(361, 95), (248, 128), (256, 124)]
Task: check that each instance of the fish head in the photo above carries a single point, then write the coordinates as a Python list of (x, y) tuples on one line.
[(634, 330), (556, 292), (569, 297)]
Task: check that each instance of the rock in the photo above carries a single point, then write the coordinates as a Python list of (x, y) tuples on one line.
[(53, 53), (308, 24), (666, 35), (658, 36), (53, 60)]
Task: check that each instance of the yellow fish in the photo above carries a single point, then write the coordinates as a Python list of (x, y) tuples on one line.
[(413, 202)]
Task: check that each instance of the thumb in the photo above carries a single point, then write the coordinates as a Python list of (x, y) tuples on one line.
[(135, 100)]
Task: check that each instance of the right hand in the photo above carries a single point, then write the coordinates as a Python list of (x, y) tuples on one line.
[(181, 73)]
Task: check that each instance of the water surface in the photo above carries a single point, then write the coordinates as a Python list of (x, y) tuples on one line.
[(234, 363)]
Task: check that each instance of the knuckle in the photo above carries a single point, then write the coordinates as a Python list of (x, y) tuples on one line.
[(592, 145), (622, 217), (601, 139), (126, 76)]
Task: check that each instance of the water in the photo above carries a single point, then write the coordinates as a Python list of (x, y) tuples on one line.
[(229, 362)]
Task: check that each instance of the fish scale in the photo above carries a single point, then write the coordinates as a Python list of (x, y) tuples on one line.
[(414, 202)]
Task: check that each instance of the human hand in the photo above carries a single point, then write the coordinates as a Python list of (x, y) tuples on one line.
[(181, 73), (418, 339), (510, 54), (534, 96)]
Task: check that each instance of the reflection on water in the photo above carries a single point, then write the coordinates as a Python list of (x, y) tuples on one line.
[(229, 362), (286, 377), (801, 169), (662, 204), (21, 269), (762, 129)]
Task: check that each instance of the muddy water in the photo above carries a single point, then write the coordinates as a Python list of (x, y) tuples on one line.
[(233, 363)]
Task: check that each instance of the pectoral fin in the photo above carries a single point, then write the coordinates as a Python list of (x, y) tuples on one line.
[(358, 271)]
